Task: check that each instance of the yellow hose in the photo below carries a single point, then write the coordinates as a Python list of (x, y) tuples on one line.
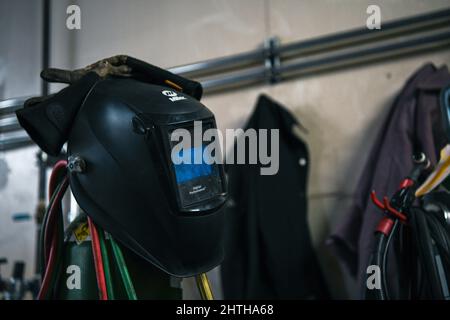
[(439, 174), (204, 287)]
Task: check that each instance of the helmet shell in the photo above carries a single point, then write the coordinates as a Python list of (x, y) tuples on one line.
[(128, 186)]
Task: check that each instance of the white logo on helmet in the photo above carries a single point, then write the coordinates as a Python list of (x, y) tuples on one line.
[(173, 96)]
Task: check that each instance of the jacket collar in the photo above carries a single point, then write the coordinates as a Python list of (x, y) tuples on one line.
[(436, 81)]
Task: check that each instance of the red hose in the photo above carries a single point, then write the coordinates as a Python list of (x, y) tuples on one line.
[(52, 216), (48, 270), (50, 253), (59, 167), (98, 261)]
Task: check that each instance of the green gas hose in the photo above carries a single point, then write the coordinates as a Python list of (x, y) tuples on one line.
[(106, 267), (120, 261)]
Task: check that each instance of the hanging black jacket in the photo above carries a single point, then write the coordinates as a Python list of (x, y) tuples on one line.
[(269, 253)]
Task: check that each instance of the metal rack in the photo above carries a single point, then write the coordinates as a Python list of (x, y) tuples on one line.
[(275, 62)]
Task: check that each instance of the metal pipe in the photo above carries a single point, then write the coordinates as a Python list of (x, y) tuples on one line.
[(241, 60), (11, 145), (365, 55), (241, 78), (14, 140), (46, 16), (329, 62), (9, 123), (42, 182), (9, 106), (419, 23)]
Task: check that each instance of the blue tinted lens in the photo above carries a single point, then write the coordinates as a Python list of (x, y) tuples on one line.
[(189, 171)]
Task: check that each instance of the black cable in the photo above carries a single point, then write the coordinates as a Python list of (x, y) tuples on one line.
[(441, 235), (407, 288), (383, 265), (376, 260), (424, 242), (428, 258), (445, 255), (441, 238)]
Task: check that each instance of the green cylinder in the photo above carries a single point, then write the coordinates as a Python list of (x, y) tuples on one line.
[(77, 279)]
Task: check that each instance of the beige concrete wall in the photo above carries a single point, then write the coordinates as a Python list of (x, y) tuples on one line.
[(342, 110)]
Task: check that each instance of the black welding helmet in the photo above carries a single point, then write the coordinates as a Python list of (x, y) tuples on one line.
[(169, 214), (120, 161)]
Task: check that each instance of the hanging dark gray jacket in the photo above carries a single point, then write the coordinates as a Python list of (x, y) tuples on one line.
[(414, 124), (269, 253)]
